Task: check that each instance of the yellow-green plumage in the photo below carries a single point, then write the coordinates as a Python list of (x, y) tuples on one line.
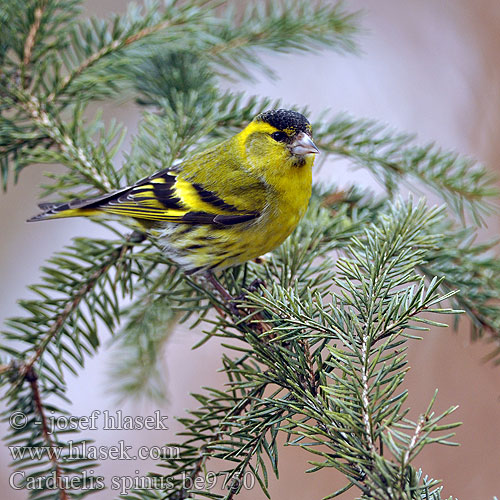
[(226, 205)]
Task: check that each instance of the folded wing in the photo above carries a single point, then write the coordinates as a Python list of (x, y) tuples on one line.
[(162, 197)]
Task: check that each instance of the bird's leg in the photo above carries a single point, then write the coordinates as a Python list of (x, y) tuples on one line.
[(260, 324), (252, 287), (225, 295), (256, 284)]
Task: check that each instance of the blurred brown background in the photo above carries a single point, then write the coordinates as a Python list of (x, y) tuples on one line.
[(428, 66)]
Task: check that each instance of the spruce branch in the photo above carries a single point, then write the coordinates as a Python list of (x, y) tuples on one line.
[(465, 185), (281, 27), (74, 303), (31, 332), (166, 300), (35, 446), (73, 153), (356, 355), (45, 344), (473, 268), (130, 31), (33, 29)]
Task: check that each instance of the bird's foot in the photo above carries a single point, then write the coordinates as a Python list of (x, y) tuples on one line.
[(229, 300), (232, 302), (253, 287)]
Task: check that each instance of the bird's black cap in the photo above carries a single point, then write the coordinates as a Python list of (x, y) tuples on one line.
[(284, 119)]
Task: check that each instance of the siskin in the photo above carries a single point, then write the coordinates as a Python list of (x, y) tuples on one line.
[(224, 206)]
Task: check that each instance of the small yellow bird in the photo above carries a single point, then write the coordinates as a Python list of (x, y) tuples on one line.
[(224, 206)]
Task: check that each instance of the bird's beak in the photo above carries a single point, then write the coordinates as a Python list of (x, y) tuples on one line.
[(303, 145)]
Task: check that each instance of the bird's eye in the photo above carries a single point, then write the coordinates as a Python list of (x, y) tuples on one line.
[(280, 136)]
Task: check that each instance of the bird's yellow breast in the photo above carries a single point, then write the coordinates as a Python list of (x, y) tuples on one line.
[(287, 200), (287, 203)]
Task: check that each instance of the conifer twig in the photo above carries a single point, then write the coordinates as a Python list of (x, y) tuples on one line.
[(112, 47), (83, 163), (32, 378), (30, 39), (106, 50), (72, 305)]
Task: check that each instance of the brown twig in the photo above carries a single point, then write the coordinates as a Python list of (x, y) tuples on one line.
[(310, 366), (334, 198), (257, 321), (5, 368), (32, 378), (27, 142), (30, 39)]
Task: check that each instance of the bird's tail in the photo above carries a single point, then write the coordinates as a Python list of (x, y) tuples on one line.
[(61, 210), (74, 208)]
